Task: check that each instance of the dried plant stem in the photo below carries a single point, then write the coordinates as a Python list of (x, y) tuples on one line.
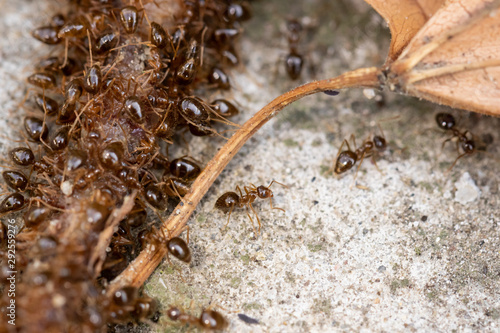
[(143, 266)]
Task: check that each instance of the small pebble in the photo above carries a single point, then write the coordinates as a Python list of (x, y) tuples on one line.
[(369, 93), (467, 191)]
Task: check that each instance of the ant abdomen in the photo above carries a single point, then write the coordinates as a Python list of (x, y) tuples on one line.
[(158, 36), (208, 319), (46, 104), (22, 156), (93, 79), (293, 64), (74, 29), (193, 110), (224, 108), (12, 202), (35, 216), (219, 78), (129, 19), (61, 139), (134, 108), (345, 161), (36, 128), (184, 168), (178, 248), (211, 319), (227, 201), (43, 80), (15, 180), (156, 196), (47, 35)]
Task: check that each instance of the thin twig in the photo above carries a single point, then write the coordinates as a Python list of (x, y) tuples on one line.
[(143, 266)]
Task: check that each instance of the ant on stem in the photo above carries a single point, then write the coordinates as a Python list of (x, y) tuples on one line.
[(229, 200)]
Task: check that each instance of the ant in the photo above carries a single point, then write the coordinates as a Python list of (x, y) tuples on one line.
[(346, 159), (209, 319), (446, 122), (176, 246), (294, 61), (229, 200)]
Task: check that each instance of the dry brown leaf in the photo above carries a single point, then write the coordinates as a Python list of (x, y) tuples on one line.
[(405, 18), (451, 58), (454, 59)]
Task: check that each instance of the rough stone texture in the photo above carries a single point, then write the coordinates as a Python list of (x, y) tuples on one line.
[(405, 250)]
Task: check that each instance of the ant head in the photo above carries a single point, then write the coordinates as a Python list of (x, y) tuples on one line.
[(264, 192), (445, 121), (379, 142), (468, 146)]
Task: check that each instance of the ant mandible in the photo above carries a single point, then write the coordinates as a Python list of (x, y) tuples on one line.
[(229, 200), (446, 122)]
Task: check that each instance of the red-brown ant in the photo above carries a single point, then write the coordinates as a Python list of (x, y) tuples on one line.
[(294, 62), (208, 319), (446, 122), (176, 246), (229, 200), (346, 159)]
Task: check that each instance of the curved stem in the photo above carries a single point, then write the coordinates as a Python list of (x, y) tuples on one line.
[(143, 266)]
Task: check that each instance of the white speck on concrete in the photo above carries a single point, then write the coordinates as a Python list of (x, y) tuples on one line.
[(467, 191)]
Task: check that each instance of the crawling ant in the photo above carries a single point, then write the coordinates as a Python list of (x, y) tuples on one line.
[(294, 62), (126, 305), (176, 246), (229, 200), (446, 122), (208, 319), (347, 159)]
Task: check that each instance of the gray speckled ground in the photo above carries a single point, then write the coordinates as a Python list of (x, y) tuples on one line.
[(418, 250)]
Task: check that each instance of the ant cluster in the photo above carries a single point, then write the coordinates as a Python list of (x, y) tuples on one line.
[(106, 112)]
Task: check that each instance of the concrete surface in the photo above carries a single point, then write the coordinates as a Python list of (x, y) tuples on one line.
[(412, 248)]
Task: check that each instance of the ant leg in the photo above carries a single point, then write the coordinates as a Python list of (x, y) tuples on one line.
[(251, 220), (375, 163), (239, 190), (359, 166), (230, 211), (455, 162), (175, 190), (444, 142), (248, 189), (272, 207), (353, 138), (257, 216), (274, 181)]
